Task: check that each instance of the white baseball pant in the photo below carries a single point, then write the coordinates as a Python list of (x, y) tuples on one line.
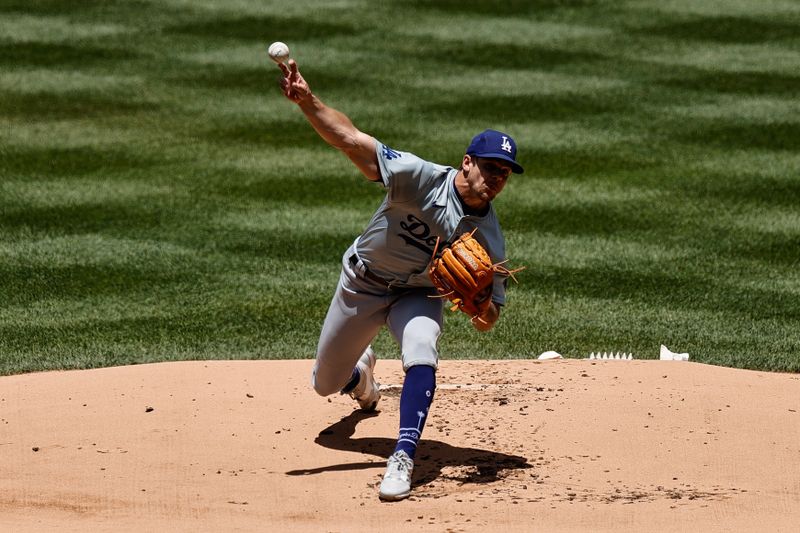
[(360, 307)]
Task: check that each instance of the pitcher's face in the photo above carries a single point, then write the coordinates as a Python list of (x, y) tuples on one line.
[(487, 177)]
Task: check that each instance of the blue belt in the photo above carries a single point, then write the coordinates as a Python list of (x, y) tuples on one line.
[(363, 271)]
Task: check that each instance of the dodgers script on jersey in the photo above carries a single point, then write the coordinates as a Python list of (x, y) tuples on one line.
[(421, 204)]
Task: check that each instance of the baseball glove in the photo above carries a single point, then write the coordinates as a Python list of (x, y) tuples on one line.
[(464, 274)]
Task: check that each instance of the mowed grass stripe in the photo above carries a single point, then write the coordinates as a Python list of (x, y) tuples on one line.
[(160, 200), (29, 162), (61, 56)]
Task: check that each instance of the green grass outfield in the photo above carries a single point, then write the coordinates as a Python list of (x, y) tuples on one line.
[(160, 200)]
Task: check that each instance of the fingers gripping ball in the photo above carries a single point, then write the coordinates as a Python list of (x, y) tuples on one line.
[(464, 274)]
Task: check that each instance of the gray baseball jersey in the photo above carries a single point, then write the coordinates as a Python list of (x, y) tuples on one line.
[(421, 204)]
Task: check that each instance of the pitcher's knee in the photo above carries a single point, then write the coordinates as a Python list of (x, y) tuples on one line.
[(419, 343), (323, 387), (324, 391), (421, 353)]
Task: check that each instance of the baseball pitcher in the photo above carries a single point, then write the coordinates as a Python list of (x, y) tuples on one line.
[(406, 262)]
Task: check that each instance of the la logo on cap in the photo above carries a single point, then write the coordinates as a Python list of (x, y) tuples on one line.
[(495, 144)]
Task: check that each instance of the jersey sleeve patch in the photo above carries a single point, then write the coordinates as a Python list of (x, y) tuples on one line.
[(390, 154)]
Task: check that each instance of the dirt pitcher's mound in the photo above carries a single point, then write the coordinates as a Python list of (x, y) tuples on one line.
[(509, 446)]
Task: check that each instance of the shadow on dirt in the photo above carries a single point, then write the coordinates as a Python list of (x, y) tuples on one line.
[(465, 465)]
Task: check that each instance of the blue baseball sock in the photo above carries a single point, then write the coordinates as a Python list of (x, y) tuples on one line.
[(354, 379), (415, 400)]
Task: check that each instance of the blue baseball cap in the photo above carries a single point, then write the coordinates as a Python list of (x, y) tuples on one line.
[(496, 145)]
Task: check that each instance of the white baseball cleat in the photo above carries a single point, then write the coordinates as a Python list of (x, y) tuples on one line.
[(396, 484), (366, 393)]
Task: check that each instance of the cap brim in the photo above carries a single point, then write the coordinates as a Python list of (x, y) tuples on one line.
[(515, 167)]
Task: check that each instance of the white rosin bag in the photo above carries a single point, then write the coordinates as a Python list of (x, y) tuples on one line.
[(667, 355)]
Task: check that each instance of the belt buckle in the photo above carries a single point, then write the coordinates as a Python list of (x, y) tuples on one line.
[(359, 266)]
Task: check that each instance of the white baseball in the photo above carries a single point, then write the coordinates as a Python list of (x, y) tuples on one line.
[(278, 52)]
